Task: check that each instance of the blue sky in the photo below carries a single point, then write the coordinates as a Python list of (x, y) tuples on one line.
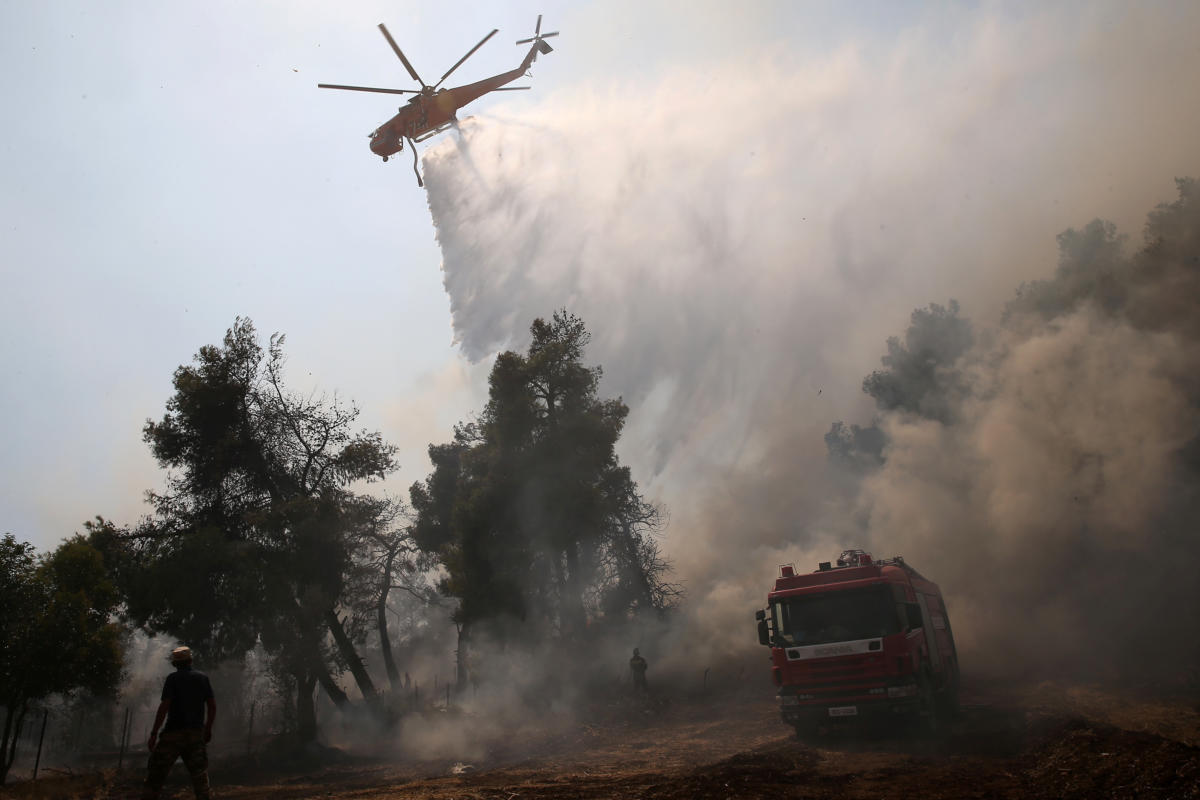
[(168, 167)]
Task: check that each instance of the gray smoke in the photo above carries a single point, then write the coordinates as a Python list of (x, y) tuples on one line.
[(742, 240), (1059, 506)]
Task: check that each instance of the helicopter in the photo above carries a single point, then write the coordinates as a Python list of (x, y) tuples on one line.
[(432, 110)]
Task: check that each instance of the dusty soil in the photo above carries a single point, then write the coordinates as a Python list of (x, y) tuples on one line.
[(1042, 741)]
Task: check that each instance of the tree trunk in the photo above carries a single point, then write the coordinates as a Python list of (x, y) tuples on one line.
[(339, 698), (306, 709), (346, 648), (571, 602), (460, 660), (385, 641), (315, 668), (635, 573), (561, 592)]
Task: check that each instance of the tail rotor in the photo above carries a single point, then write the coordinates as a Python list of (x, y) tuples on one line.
[(539, 38)]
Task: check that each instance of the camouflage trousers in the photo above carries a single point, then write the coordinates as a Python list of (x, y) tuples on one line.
[(186, 744)]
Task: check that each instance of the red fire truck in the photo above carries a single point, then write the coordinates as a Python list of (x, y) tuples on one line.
[(858, 639)]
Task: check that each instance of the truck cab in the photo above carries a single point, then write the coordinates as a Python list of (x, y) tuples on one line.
[(863, 638)]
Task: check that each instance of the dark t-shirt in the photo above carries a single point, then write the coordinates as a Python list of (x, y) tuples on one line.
[(187, 690)]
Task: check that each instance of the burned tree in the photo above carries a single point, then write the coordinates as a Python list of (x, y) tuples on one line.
[(387, 560)]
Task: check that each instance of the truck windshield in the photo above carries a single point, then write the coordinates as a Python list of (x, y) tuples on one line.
[(835, 616)]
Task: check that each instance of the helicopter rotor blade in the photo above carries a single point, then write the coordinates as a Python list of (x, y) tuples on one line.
[(470, 53), (366, 89), (536, 38), (400, 54), (511, 88), (537, 34)]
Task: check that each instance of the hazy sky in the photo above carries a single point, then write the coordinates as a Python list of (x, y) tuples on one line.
[(167, 167)]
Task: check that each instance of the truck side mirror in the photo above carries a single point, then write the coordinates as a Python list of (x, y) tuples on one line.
[(760, 615), (764, 633)]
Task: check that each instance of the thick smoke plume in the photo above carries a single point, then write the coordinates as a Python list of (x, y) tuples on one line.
[(1059, 502), (742, 241)]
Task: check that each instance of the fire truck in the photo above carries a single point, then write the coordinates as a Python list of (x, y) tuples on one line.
[(864, 638)]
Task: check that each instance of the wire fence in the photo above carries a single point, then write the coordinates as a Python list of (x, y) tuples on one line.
[(76, 738)]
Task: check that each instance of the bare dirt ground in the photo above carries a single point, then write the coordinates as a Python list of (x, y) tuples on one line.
[(1040, 741)]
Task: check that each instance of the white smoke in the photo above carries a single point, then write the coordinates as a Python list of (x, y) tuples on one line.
[(741, 239)]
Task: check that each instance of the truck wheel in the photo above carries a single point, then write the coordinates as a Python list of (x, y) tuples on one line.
[(807, 730), (930, 713), (948, 702)]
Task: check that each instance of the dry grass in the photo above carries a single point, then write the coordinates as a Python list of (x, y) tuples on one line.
[(1038, 741)]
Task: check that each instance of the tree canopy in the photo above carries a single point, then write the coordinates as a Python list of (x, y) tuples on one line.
[(919, 375), (529, 509), (57, 629), (256, 536)]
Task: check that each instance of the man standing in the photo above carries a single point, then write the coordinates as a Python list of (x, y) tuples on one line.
[(637, 665), (186, 695)]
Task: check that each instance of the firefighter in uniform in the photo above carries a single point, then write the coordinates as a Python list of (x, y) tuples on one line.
[(186, 696), (637, 666)]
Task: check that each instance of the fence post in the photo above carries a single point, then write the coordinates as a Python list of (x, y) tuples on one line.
[(124, 731), (16, 736), (78, 740), (41, 737), (250, 728)]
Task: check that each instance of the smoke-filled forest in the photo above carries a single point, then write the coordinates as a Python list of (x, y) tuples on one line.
[(817, 414), (1044, 467), (264, 553)]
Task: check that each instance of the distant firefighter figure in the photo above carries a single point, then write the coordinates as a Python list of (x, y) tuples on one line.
[(637, 667)]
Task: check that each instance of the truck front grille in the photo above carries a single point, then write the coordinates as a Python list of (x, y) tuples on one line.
[(841, 678)]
